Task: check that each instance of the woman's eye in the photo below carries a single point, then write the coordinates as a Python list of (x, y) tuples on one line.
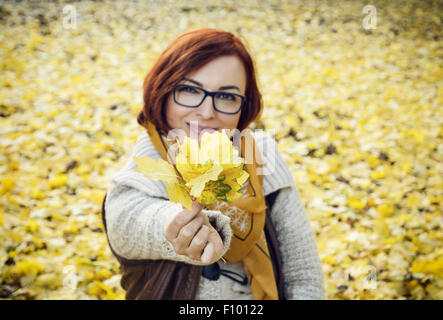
[(188, 90), (226, 96)]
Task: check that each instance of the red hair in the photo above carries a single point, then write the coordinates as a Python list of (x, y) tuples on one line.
[(188, 53)]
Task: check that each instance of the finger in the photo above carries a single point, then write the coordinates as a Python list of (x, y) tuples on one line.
[(208, 253), (188, 232), (181, 219), (214, 248), (197, 206), (198, 243), (215, 238)]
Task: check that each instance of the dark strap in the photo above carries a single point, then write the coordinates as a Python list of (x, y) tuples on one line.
[(273, 246)]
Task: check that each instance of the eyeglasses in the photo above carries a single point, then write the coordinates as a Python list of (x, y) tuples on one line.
[(192, 97)]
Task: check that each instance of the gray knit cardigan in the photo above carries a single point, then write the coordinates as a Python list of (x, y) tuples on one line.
[(138, 211)]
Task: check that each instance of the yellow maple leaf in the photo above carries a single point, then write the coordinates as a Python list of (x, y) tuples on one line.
[(197, 184), (217, 147), (178, 193), (58, 181), (234, 178), (209, 171), (243, 177), (162, 170), (189, 170), (156, 170), (27, 267), (385, 210)]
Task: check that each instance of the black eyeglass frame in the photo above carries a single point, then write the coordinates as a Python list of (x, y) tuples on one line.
[(211, 94)]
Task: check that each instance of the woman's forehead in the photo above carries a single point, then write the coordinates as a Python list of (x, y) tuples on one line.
[(222, 71)]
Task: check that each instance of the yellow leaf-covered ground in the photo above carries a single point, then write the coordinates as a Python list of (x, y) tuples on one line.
[(357, 112)]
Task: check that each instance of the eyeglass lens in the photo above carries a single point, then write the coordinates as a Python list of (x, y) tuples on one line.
[(193, 96)]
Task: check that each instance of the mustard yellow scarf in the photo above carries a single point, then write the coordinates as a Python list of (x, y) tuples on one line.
[(248, 243)]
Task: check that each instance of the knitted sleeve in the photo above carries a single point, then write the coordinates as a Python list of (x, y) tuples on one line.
[(136, 223), (302, 271)]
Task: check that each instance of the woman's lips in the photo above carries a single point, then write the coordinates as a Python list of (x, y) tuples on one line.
[(198, 130)]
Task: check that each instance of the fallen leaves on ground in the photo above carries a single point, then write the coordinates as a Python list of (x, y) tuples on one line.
[(357, 113)]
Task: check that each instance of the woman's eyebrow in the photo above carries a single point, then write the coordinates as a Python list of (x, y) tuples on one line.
[(221, 88)]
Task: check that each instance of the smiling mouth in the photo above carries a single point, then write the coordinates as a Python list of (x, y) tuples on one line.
[(198, 129)]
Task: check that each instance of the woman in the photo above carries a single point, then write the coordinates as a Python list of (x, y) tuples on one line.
[(260, 246)]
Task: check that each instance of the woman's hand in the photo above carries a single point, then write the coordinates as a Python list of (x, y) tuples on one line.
[(191, 234)]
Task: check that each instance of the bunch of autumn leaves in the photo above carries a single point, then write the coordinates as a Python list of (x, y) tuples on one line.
[(209, 171)]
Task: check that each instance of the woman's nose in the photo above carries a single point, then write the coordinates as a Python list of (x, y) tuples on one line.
[(206, 109)]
